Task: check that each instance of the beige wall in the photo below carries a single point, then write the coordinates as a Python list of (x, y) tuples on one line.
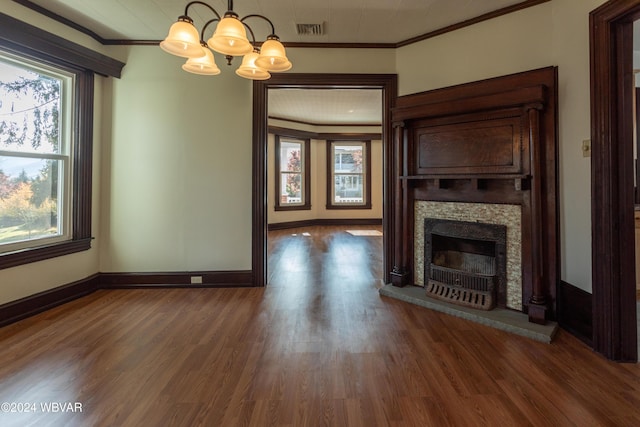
[(571, 53), (172, 176), (180, 169)]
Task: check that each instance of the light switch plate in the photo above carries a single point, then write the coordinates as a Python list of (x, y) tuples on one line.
[(586, 148)]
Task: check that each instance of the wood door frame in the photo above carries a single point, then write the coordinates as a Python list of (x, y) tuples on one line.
[(385, 82), (612, 173)]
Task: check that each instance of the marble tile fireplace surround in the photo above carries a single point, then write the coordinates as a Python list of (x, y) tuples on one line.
[(507, 215)]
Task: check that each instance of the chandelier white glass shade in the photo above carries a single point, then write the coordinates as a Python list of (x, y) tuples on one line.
[(273, 56), (249, 70), (229, 39), (205, 65), (183, 39)]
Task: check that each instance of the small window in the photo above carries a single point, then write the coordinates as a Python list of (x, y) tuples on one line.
[(348, 175), (35, 154), (292, 174)]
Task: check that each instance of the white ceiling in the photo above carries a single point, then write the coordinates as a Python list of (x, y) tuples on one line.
[(327, 106), (344, 21)]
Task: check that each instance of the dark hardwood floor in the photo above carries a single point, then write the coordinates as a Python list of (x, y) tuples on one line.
[(318, 346)]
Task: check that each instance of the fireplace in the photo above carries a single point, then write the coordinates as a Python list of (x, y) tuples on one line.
[(480, 152), (507, 216), (465, 262)]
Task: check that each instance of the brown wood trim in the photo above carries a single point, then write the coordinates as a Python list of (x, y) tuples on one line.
[(612, 206), (180, 278), (636, 142), (454, 149), (464, 191), (386, 82), (574, 311), (458, 103), (325, 81), (29, 306), (125, 42), (294, 133), (83, 156), (259, 201), (324, 221), (474, 89), (20, 37), (27, 256), (350, 136), (341, 45), (323, 124), (479, 177), (485, 17), (399, 274), (33, 304)]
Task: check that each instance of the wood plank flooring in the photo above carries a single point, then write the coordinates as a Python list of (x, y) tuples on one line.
[(317, 347)]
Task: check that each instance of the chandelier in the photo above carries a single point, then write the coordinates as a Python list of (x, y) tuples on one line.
[(229, 39)]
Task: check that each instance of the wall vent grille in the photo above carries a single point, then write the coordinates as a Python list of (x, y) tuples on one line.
[(310, 29)]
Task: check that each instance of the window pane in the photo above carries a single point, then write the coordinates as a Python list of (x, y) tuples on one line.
[(29, 199), (290, 157), (34, 149), (291, 188), (29, 110), (348, 189), (347, 158)]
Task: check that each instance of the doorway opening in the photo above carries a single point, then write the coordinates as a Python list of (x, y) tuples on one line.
[(386, 83), (612, 180)]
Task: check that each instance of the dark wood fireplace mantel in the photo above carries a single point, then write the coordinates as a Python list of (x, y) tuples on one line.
[(492, 141)]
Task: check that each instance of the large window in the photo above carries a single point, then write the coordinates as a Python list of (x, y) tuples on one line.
[(292, 173), (46, 131), (35, 154), (348, 175)]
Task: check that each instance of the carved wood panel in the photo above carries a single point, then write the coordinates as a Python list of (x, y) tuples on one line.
[(487, 147)]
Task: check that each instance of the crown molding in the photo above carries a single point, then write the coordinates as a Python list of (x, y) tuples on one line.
[(124, 42)]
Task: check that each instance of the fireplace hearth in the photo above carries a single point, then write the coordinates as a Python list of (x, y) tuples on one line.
[(465, 262)]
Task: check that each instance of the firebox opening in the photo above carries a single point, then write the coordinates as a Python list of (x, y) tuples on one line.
[(468, 255), (465, 262)]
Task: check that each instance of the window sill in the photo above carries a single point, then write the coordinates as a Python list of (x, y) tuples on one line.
[(347, 207), (292, 208), (41, 253)]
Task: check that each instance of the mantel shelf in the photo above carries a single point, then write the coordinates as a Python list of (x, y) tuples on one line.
[(465, 176)]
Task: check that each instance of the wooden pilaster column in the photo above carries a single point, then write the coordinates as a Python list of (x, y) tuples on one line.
[(399, 274), (538, 303)]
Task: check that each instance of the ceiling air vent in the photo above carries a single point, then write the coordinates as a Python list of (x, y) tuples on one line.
[(310, 29)]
